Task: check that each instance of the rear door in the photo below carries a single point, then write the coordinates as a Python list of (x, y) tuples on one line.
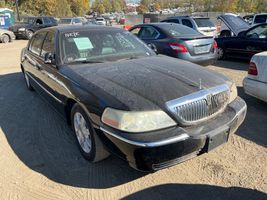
[(51, 80), (32, 60)]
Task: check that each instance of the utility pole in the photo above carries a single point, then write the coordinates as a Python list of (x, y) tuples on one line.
[(17, 7)]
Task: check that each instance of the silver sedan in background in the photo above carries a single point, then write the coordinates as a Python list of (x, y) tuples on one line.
[(178, 41)]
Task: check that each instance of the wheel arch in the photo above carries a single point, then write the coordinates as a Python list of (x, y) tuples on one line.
[(68, 106)]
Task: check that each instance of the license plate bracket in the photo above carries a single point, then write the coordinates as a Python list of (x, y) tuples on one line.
[(215, 140), (201, 49)]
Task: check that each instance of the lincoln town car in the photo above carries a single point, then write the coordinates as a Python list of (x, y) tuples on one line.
[(122, 98)]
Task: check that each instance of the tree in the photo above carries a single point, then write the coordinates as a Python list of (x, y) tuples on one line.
[(157, 6), (141, 9), (107, 5), (101, 8)]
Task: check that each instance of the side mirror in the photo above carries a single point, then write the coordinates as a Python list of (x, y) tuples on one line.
[(153, 47), (49, 58)]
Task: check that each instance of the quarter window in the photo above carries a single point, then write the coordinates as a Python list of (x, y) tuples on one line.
[(136, 31), (187, 22), (36, 43), (48, 46)]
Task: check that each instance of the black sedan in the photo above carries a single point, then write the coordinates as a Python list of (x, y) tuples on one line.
[(241, 40), (121, 98), (178, 41)]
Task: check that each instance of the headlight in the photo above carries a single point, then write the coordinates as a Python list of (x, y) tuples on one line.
[(233, 92), (136, 121), (22, 29)]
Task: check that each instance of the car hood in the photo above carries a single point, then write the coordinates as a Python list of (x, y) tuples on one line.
[(235, 23), (146, 83)]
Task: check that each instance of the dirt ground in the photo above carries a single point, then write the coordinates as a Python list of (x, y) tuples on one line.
[(39, 158)]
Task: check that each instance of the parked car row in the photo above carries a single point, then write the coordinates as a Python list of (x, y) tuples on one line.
[(29, 25)]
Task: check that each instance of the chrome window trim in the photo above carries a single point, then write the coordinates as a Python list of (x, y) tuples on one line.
[(178, 138), (200, 95)]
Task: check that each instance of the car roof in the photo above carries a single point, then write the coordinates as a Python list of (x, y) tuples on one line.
[(66, 28), (160, 24)]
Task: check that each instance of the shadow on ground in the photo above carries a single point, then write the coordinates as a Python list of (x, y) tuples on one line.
[(235, 64), (196, 192), (254, 126), (41, 139)]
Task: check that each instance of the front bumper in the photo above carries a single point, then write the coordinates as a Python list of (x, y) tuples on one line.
[(255, 88), (156, 150)]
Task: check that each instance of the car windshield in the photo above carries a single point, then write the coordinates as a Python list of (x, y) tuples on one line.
[(204, 22), (65, 21), (100, 19), (27, 20), (177, 30), (101, 46)]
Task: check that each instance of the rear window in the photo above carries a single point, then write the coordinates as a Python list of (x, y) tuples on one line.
[(177, 30), (204, 22), (260, 19)]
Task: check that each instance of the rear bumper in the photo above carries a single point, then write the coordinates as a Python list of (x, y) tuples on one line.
[(146, 152), (205, 59), (255, 88)]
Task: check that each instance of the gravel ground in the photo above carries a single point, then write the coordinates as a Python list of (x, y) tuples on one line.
[(39, 158)]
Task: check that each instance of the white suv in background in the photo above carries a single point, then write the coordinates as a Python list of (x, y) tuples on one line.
[(202, 24)]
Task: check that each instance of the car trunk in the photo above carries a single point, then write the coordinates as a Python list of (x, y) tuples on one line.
[(198, 45), (261, 62), (235, 23)]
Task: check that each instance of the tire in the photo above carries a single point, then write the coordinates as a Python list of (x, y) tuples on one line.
[(5, 39), (220, 53), (88, 142), (29, 34), (27, 80)]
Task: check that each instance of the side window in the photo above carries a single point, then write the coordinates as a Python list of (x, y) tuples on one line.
[(48, 46), (47, 20), (39, 21), (136, 31), (260, 19), (149, 33), (258, 32), (187, 22), (36, 43), (76, 21), (174, 21)]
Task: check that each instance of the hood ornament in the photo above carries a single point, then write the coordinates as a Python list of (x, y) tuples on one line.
[(200, 84)]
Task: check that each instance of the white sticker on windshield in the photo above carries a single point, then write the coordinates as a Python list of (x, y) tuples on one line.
[(83, 43), (73, 34)]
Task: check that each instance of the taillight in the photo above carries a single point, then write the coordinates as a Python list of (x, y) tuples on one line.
[(215, 45), (252, 70), (178, 48)]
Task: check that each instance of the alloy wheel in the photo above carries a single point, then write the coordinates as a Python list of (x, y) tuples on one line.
[(82, 132)]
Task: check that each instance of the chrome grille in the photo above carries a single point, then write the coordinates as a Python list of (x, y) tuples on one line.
[(200, 106)]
